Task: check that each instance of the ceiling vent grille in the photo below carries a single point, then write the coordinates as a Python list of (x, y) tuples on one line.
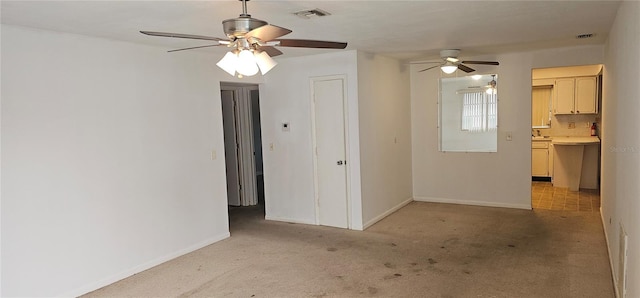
[(584, 36), (312, 13)]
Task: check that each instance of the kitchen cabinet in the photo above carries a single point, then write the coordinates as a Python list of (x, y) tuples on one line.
[(541, 159), (577, 95)]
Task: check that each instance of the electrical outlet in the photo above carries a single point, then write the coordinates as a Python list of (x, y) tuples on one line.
[(572, 125), (270, 146)]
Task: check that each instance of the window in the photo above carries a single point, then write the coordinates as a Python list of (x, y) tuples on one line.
[(479, 112)]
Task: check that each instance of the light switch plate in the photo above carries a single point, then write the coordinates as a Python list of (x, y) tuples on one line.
[(509, 136)]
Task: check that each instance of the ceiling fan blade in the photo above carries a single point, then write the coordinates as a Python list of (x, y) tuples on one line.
[(267, 32), (305, 43), (179, 35), (271, 51), (191, 48), (432, 67), (481, 62), (465, 68)]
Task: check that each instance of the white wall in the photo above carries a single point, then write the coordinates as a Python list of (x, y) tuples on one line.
[(491, 179), (106, 160), (288, 169), (385, 135), (621, 141)]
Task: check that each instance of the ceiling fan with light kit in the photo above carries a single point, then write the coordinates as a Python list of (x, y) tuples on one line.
[(450, 62), (252, 42)]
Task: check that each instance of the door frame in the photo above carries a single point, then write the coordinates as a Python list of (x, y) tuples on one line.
[(244, 135), (345, 114)]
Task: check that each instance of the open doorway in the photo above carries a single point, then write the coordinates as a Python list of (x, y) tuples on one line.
[(243, 151), (565, 138)]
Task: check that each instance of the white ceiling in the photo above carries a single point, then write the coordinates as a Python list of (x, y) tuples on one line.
[(403, 29)]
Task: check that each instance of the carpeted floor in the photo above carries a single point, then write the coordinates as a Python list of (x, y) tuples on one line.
[(422, 250)]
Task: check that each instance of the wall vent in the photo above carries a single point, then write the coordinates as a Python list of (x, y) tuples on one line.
[(312, 13), (584, 36)]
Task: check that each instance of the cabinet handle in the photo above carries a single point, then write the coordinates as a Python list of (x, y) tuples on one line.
[(578, 112), (571, 112)]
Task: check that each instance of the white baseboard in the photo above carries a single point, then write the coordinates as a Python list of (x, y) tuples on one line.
[(386, 213), (473, 203), (614, 276), (137, 269), (290, 220)]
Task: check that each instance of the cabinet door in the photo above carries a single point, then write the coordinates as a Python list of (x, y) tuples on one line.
[(586, 95), (540, 162), (564, 96)]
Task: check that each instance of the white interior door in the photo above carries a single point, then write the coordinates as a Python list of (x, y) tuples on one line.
[(330, 152), (231, 147)]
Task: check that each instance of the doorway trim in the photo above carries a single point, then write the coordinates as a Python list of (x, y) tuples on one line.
[(244, 134), (345, 113)]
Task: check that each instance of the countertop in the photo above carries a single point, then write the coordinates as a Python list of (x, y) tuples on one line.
[(575, 140)]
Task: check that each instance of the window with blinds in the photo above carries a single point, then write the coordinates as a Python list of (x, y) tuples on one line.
[(479, 112)]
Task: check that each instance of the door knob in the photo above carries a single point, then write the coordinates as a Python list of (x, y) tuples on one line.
[(339, 162)]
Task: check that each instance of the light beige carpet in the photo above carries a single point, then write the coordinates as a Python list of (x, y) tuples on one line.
[(422, 250)]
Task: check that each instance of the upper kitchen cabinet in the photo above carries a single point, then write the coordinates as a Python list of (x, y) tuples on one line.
[(577, 95)]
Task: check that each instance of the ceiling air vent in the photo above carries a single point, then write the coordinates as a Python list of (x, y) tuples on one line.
[(311, 13), (583, 36)]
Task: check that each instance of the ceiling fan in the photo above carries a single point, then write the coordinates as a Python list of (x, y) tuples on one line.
[(450, 62), (252, 42)]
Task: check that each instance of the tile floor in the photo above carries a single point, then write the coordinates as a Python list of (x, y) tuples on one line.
[(545, 196)]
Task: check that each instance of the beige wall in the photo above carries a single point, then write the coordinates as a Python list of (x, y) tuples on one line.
[(385, 135), (621, 142), (491, 179)]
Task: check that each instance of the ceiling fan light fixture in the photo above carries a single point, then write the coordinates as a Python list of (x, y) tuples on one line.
[(449, 68), (246, 64), (228, 63), (253, 43), (264, 61)]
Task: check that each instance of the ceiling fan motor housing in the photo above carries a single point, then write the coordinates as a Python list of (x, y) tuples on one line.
[(449, 53), (238, 27)]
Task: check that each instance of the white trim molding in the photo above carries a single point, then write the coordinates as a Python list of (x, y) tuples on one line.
[(137, 269), (387, 213), (472, 203)]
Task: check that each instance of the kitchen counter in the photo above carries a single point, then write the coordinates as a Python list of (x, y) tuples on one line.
[(572, 162), (575, 140)]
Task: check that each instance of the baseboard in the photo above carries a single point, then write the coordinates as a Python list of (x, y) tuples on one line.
[(472, 203), (289, 220), (606, 239), (137, 269), (386, 213)]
